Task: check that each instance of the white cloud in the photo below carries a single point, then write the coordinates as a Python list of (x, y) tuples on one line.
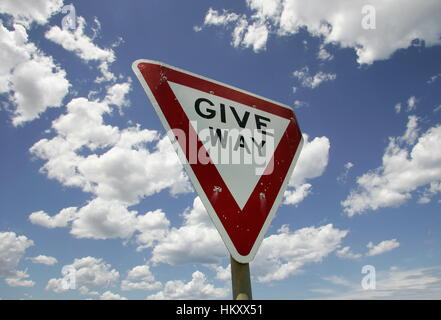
[(104, 219), (26, 12), (420, 283), (239, 31), (84, 47), (324, 54), (79, 43), (346, 253), (90, 273), (196, 241), (19, 279), (213, 17), (312, 161), (117, 94), (249, 35), (12, 249), (412, 103), (339, 281), (42, 259), (34, 92), (297, 195), (111, 296), (300, 104), (55, 285), (412, 131), (312, 81), (434, 78), (340, 22), (85, 291), (31, 79), (140, 172), (405, 168), (344, 175), (107, 219), (153, 227), (382, 247), (256, 36), (83, 125), (437, 109), (433, 189), (59, 220), (127, 170), (140, 278), (311, 164), (222, 273), (285, 253), (196, 289)]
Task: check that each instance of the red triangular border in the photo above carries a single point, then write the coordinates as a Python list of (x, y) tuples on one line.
[(243, 227)]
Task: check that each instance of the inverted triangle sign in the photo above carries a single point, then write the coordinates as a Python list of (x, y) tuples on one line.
[(238, 149)]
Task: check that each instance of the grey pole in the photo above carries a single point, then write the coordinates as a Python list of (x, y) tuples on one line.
[(241, 281)]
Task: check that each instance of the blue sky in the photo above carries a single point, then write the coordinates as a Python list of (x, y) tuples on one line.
[(88, 178)]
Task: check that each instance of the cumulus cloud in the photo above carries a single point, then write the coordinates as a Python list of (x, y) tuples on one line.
[(344, 175), (108, 295), (90, 273), (300, 104), (311, 164), (382, 247), (25, 13), (285, 253), (196, 289), (340, 23), (133, 162), (346, 253), (59, 220), (323, 54), (412, 131), (429, 192), (153, 227), (104, 219), (412, 103), (42, 259), (222, 273), (249, 35), (434, 78), (395, 283), (117, 94), (140, 278), (298, 194), (196, 241), (312, 81), (84, 47), (108, 219), (409, 162), (31, 80), (213, 17), (19, 279), (12, 249)]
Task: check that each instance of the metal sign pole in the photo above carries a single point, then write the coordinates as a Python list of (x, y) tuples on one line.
[(241, 280)]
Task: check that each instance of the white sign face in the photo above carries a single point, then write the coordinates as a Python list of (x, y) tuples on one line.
[(232, 135)]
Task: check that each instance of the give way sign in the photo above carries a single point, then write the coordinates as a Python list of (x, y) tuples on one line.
[(238, 149)]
